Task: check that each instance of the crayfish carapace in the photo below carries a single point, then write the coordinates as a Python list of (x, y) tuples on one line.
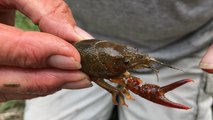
[(103, 60)]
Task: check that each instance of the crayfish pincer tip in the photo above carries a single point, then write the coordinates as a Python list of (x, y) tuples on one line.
[(175, 85), (187, 80), (165, 102), (190, 80), (188, 107), (184, 107)]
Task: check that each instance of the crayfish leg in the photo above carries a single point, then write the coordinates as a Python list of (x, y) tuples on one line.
[(114, 91), (122, 86), (127, 94)]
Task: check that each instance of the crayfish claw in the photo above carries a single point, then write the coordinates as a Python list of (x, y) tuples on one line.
[(164, 101), (156, 94)]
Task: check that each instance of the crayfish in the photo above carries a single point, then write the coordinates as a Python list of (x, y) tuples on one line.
[(104, 60)]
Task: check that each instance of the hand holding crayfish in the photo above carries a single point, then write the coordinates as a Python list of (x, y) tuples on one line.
[(34, 64)]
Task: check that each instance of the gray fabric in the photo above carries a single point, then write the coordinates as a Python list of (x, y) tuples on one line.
[(168, 29), (209, 84)]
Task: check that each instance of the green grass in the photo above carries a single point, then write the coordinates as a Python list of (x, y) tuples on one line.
[(11, 104), (25, 23)]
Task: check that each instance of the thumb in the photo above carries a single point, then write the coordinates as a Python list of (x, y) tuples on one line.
[(36, 50), (207, 61)]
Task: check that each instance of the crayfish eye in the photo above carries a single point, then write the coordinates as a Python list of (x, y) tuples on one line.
[(126, 61)]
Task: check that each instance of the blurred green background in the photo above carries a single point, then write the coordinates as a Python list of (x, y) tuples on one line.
[(25, 23)]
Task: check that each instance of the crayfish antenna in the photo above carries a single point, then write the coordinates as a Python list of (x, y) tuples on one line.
[(164, 64), (156, 71)]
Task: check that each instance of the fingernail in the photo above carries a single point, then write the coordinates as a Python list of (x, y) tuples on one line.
[(63, 62), (82, 34), (208, 67), (85, 83)]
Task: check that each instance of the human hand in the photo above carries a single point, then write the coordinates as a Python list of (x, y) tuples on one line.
[(35, 64), (207, 61)]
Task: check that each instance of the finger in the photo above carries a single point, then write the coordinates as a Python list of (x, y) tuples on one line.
[(207, 61), (52, 16), (40, 81), (36, 50)]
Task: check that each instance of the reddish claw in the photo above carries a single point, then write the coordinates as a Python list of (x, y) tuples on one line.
[(156, 93)]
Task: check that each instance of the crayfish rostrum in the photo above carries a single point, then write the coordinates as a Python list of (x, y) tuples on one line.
[(104, 60)]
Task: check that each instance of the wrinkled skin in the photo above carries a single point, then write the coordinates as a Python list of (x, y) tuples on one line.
[(34, 63)]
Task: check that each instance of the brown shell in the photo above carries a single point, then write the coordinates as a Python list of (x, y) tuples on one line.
[(101, 59)]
